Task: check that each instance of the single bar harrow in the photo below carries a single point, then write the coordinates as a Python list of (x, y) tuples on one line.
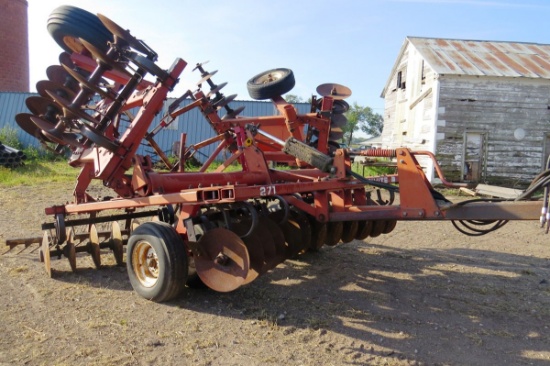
[(212, 227)]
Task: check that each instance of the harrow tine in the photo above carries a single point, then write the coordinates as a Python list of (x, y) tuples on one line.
[(93, 246)]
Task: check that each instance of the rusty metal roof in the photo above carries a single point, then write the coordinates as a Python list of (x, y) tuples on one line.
[(479, 58), (485, 58)]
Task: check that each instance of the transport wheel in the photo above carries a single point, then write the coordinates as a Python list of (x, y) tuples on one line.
[(156, 261), (271, 83), (67, 24)]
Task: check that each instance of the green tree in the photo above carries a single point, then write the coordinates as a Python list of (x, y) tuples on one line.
[(363, 118), (292, 98)]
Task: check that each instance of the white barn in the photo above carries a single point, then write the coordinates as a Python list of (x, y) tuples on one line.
[(482, 107)]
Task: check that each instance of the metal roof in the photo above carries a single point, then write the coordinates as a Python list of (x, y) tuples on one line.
[(479, 58), (484, 58)]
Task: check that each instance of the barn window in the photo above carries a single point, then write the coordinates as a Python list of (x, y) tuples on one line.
[(400, 81)]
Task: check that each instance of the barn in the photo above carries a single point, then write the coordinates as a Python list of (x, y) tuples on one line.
[(482, 107)]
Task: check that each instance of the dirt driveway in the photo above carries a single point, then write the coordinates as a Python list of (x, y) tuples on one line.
[(424, 294)]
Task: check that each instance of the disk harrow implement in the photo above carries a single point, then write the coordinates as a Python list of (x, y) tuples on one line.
[(212, 227)]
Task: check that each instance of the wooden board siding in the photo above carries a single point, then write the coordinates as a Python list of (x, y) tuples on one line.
[(497, 106)]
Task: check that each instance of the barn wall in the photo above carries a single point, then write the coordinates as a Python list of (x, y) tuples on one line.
[(498, 107), (409, 112)]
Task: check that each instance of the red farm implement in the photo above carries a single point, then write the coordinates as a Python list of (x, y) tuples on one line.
[(215, 226)]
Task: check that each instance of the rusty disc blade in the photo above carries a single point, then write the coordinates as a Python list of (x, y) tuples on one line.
[(390, 225), (293, 237), (336, 133), (84, 82), (224, 101), (278, 240), (123, 34), (377, 228), (116, 243), (57, 89), (103, 58), (234, 113), (305, 227), (207, 77), (254, 246), (93, 246), (65, 59), (54, 135), (69, 250), (45, 253), (319, 232), (336, 91), (340, 106), (334, 232), (338, 120), (363, 230), (350, 231), (23, 120), (216, 89), (222, 261), (70, 109), (42, 106), (264, 235)]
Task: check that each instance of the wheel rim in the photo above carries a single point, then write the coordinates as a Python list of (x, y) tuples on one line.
[(145, 264), (270, 77)]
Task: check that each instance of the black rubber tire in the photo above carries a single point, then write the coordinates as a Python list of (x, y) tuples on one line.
[(172, 261), (271, 83), (70, 21)]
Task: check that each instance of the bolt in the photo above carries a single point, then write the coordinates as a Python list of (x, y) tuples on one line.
[(437, 213), (404, 214), (420, 213), (402, 161)]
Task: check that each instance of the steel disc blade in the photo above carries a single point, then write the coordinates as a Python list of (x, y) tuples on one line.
[(206, 77), (222, 262), (390, 225), (336, 91), (340, 106), (216, 89), (334, 232), (225, 101), (350, 231), (338, 120), (305, 228), (363, 230), (54, 135), (71, 110), (69, 250), (278, 240), (93, 246), (84, 82), (58, 75), (23, 120), (234, 113), (116, 243), (263, 235), (335, 133), (103, 58), (41, 106), (65, 59), (377, 228), (319, 232), (58, 89), (45, 253), (254, 246), (122, 34)]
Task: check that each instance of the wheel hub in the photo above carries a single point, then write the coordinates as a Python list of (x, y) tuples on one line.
[(146, 264)]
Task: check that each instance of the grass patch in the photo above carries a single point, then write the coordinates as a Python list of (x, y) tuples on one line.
[(36, 172)]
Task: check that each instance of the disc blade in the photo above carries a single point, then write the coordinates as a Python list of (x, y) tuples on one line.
[(278, 240), (334, 232), (336, 91), (233, 113), (103, 58), (338, 121), (93, 246), (222, 260), (363, 230), (41, 106), (122, 34), (116, 243), (45, 253), (57, 89), (206, 77), (349, 231), (71, 110), (318, 234), (83, 81)]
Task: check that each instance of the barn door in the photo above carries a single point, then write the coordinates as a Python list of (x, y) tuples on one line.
[(474, 156)]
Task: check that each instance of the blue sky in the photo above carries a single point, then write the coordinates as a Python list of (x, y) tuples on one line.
[(350, 42)]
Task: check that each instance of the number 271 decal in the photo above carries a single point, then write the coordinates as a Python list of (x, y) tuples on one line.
[(267, 191)]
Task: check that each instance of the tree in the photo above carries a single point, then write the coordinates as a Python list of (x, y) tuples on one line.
[(292, 98), (363, 118)]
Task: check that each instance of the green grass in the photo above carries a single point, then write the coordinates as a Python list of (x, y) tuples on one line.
[(36, 172)]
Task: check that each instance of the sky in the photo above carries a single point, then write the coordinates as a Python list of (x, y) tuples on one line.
[(350, 42)]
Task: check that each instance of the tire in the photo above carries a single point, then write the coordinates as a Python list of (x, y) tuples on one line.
[(67, 23), (271, 83), (156, 261)]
